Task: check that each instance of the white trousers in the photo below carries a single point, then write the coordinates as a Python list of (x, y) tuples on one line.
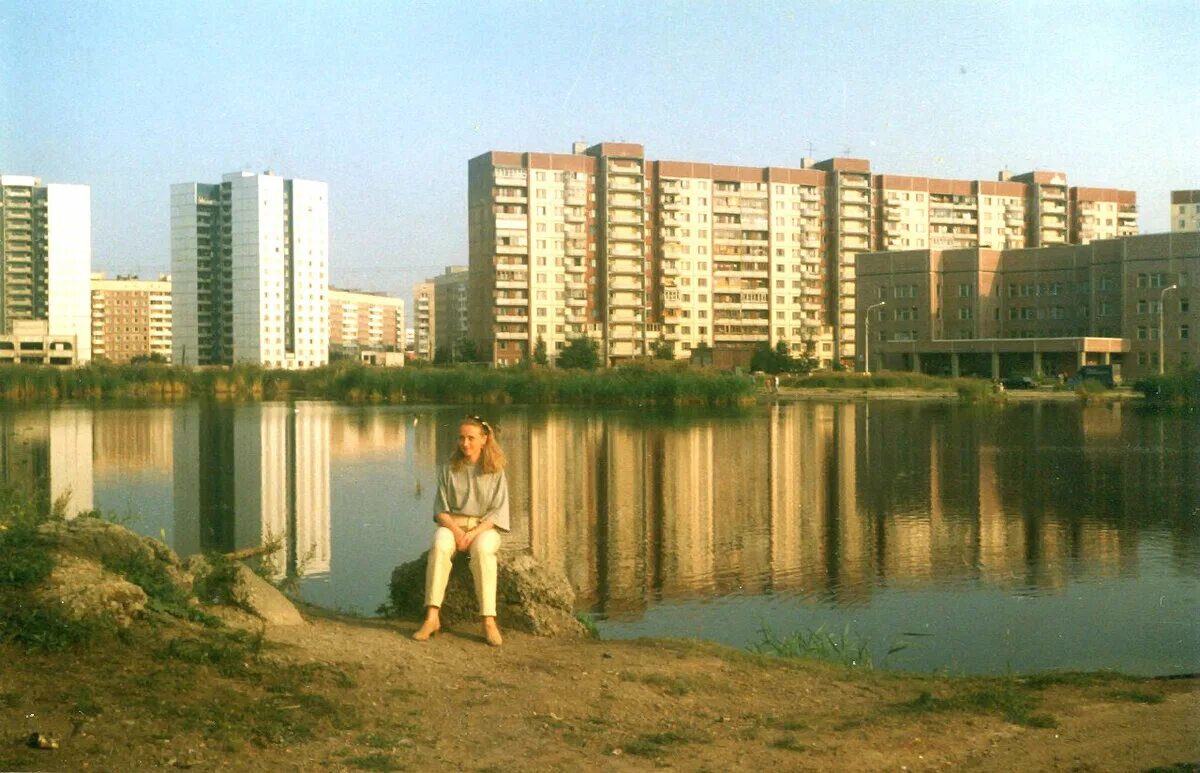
[(483, 568)]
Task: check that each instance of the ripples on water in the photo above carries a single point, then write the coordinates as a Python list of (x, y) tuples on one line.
[(1032, 536)]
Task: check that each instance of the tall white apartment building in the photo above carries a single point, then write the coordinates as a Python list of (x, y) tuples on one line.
[(250, 272), (45, 271)]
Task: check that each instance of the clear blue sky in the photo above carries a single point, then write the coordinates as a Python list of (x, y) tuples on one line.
[(386, 102)]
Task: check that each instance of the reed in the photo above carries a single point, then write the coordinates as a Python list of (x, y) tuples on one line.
[(840, 647), (644, 384)]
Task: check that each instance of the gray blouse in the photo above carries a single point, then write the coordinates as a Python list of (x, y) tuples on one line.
[(468, 491)]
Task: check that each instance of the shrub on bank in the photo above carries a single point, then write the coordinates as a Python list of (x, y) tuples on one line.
[(1179, 388), (969, 388)]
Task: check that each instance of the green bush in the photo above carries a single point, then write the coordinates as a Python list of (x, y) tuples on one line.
[(1179, 388)]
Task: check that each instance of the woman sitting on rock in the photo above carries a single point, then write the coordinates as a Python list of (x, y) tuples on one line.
[(471, 509)]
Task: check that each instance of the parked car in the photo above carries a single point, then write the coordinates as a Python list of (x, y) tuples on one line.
[(1018, 382)]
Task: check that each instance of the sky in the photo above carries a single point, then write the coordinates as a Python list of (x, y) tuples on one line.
[(386, 102)]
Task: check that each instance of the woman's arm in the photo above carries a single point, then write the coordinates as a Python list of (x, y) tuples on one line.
[(497, 512)]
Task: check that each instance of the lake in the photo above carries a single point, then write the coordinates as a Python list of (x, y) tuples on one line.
[(969, 539)]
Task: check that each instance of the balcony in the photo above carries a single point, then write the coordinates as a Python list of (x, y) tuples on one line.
[(504, 301), (511, 249), (622, 183), (853, 181), (625, 267)]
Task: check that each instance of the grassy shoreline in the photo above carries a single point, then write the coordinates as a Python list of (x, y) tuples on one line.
[(648, 384)]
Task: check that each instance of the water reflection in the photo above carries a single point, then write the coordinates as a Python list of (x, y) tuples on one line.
[(832, 504)]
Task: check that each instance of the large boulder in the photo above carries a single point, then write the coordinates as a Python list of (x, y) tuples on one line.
[(219, 580), (255, 595), (81, 589), (529, 597), (144, 560)]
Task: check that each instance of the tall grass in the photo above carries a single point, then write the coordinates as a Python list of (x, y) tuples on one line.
[(840, 647), (966, 388), (659, 384)]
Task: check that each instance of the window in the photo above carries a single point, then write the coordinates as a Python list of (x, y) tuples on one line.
[(964, 291), (965, 313), (1183, 331)]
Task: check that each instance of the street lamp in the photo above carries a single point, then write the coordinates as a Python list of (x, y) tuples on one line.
[(867, 337), (1162, 306)]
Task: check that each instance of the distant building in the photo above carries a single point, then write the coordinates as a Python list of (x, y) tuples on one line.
[(45, 266), (1047, 310), (131, 317), (440, 313), (360, 321), (1185, 211), (424, 297), (250, 266), (605, 243)]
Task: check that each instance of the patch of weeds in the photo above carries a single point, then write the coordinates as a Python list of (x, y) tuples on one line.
[(344, 680), (849, 724), (1066, 679), (9, 700), (671, 685), (378, 740), (374, 762), (1137, 696), (1178, 767), (653, 744), (589, 625), (788, 743), (790, 725), (845, 648), (1013, 705), (85, 704)]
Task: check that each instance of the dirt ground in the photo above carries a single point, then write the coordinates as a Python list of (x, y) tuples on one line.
[(355, 694)]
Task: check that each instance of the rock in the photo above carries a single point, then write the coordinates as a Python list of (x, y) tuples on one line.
[(529, 597), (82, 589), (116, 547), (254, 594)]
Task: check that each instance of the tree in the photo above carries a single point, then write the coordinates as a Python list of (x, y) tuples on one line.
[(702, 354), (539, 353), (769, 360), (663, 349), (581, 353), (466, 350)]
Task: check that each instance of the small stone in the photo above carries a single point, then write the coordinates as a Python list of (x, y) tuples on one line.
[(617, 752)]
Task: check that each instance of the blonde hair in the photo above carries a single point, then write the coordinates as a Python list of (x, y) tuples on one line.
[(491, 457)]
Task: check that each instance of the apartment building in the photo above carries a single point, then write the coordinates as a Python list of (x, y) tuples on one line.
[(638, 253), (1185, 211), (994, 313), (440, 317), (131, 317), (423, 320), (45, 266), (360, 321), (249, 263)]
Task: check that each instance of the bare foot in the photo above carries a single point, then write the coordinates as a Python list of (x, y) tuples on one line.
[(429, 628), (491, 632)]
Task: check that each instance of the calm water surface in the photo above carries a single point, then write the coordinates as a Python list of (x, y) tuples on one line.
[(984, 539)]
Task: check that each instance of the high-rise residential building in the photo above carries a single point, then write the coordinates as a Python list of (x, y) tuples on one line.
[(450, 321), (131, 317), (45, 267), (440, 319), (423, 317), (1185, 210), (365, 321), (249, 267), (639, 254), (994, 313)]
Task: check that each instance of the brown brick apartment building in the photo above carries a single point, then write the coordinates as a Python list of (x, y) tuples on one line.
[(995, 313), (606, 243)]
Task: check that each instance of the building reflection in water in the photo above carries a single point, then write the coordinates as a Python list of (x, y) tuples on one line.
[(251, 475), (835, 501), (49, 453)]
